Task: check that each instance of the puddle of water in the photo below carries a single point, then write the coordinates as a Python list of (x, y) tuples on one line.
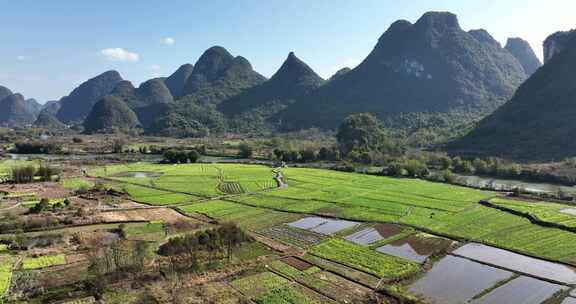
[(455, 280), (308, 223), (523, 290), (322, 225), (415, 248), (404, 251), (569, 211), (518, 262), (139, 174), (334, 226), (365, 237), (374, 234), (569, 301)]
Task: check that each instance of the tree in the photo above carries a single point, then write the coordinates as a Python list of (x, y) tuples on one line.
[(193, 156), (362, 133), (308, 155), (245, 150)]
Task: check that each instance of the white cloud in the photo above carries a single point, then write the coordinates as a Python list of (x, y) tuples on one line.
[(168, 41), (20, 58), (119, 54)]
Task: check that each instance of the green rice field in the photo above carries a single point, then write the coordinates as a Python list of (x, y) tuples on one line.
[(364, 259), (443, 209)]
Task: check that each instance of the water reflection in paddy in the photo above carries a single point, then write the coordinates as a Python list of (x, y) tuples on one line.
[(374, 234), (569, 301), (415, 248), (322, 225), (522, 290), (455, 280), (518, 262)]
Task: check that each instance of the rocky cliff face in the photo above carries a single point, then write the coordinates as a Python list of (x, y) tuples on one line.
[(556, 42), (16, 111), (538, 123), (218, 75), (79, 103), (178, 79), (432, 66), (522, 50), (252, 108), (110, 114)]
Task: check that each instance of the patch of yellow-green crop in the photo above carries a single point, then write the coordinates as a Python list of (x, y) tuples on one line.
[(43, 261), (6, 264), (76, 183), (365, 259)]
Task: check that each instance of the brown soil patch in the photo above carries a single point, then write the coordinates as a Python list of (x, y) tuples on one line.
[(50, 190), (297, 263), (166, 214), (388, 230)]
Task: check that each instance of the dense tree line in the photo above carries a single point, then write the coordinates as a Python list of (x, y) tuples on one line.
[(37, 148), (181, 156)]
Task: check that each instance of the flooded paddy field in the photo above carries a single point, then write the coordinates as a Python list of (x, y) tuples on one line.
[(522, 290), (519, 263), (416, 248), (569, 300), (449, 281), (322, 225), (374, 234)]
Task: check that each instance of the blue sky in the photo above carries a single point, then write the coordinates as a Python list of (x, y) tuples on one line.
[(50, 46)]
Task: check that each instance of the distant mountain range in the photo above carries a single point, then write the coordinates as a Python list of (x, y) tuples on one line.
[(15, 110), (539, 122), (431, 67), (430, 73)]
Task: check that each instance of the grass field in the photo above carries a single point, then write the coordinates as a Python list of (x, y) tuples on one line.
[(364, 259), (151, 231), (43, 262), (76, 183)]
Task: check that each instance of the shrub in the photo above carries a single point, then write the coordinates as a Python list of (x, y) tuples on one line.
[(22, 175), (245, 150), (46, 173)]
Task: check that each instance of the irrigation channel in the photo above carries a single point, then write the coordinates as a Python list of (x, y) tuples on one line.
[(498, 274)]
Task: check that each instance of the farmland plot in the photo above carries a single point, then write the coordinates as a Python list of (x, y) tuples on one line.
[(6, 264), (522, 290), (449, 281), (200, 180), (43, 262), (364, 259)]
